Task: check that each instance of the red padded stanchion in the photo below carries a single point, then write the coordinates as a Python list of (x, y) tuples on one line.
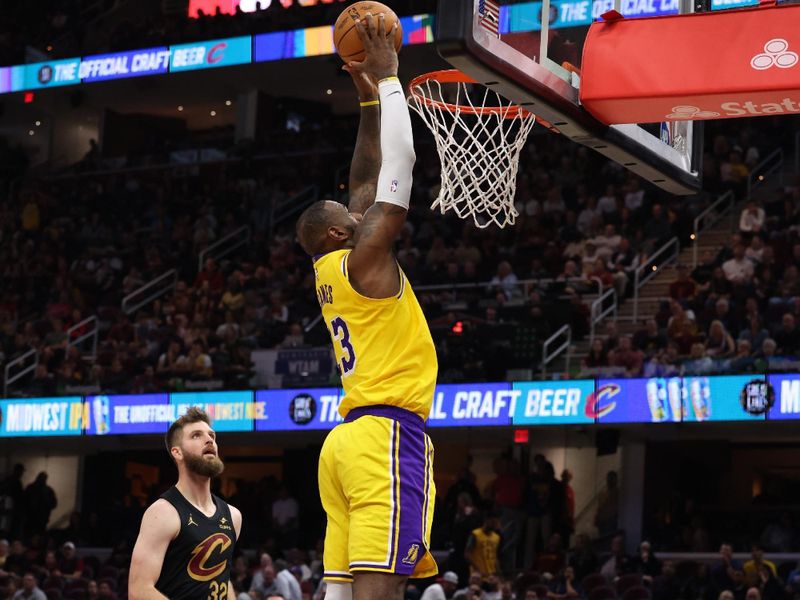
[(727, 64)]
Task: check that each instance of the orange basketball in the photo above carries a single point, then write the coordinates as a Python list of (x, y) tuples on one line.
[(345, 36)]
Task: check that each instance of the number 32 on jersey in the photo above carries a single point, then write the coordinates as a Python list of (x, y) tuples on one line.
[(342, 335)]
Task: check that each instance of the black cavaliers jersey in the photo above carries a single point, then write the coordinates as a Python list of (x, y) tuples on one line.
[(198, 562)]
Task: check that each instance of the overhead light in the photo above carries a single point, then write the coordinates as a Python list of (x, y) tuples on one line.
[(49, 48), (180, 108), (228, 102), (38, 123), (329, 91), (30, 132), (213, 113)]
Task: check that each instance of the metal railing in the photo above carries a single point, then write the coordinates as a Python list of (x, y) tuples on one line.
[(79, 338), (648, 269), (293, 206), (9, 379), (153, 289), (758, 174), (710, 217), (224, 246), (549, 356), (598, 313)]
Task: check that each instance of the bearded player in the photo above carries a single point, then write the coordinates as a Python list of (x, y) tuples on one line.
[(185, 546), (375, 470)]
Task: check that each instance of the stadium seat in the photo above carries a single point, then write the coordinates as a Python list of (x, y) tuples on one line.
[(636, 593), (625, 582), (602, 593), (592, 581)]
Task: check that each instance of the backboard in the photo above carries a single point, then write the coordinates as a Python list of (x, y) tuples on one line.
[(535, 63)]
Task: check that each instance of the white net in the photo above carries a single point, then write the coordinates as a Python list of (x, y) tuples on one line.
[(479, 136)]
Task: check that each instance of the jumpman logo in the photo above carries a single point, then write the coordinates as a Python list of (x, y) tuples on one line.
[(191, 521)]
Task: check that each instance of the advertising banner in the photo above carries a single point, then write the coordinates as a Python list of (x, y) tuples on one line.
[(210, 54), (41, 416), (102, 67), (786, 389), (726, 398), (51, 74), (654, 400), (554, 402), (473, 405), (143, 413), (229, 411), (287, 410)]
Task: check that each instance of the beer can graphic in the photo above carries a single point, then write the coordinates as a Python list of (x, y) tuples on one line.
[(675, 395), (100, 415), (657, 400), (700, 397)]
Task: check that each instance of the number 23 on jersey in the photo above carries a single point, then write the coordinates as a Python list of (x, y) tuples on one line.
[(341, 334)]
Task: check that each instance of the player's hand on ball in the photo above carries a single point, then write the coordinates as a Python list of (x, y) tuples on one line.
[(381, 61), (367, 86)]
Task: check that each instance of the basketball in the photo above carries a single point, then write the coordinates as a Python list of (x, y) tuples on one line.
[(345, 36)]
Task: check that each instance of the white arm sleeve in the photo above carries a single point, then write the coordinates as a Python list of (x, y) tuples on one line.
[(397, 146)]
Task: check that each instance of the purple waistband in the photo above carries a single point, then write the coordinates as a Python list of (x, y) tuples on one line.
[(390, 412)]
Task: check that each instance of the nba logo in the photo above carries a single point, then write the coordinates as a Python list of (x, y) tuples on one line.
[(393, 187), (302, 409)]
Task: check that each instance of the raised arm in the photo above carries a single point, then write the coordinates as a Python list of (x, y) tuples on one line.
[(372, 267), (160, 525), (366, 163)]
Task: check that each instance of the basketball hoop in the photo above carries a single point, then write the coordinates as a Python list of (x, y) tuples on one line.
[(479, 136)]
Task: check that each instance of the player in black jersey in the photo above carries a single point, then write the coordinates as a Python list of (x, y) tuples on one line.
[(186, 540)]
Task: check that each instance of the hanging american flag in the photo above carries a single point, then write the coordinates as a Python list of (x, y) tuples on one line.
[(489, 16)]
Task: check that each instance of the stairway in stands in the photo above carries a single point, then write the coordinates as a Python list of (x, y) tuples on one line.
[(657, 288)]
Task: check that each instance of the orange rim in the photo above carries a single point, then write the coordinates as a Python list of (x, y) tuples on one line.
[(456, 76)]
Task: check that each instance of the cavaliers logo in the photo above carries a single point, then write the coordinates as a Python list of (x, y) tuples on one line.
[(198, 568)]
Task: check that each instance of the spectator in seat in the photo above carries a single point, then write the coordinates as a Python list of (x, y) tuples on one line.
[(627, 356), (733, 172), (211, 276), (787, 336), (657, 230), (564, 586), (618, 563), (70, 565), (752, 218), (597, 356), (755, 251), (646, 563), (504, 283), (755, 334), (200, 364), (30, 590), (442, 589), (743, 360), (634, 197), (752, 567), (699, 362), (738, 270), (666, 586), (683, 288), (650, 340), (583, 559), (724, 572), (719, 343)]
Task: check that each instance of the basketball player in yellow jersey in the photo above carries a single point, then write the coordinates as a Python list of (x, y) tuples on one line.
[(375, 471)]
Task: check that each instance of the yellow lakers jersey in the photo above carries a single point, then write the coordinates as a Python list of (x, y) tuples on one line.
[(383, 346), (484, 551)]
